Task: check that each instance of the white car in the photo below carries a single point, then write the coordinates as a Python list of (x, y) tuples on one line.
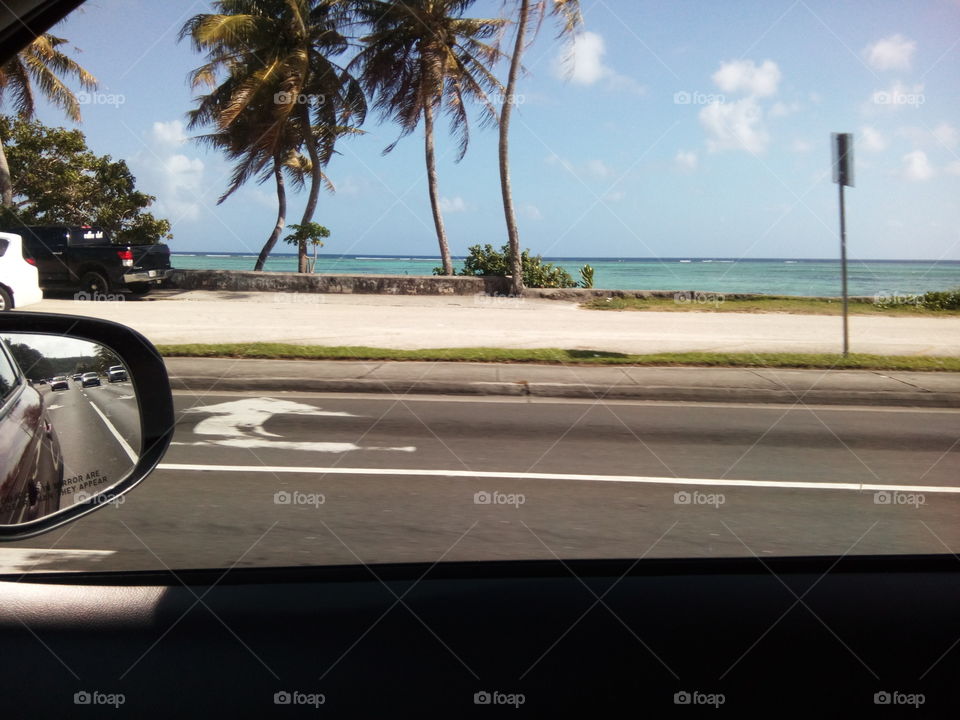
[(19, 280)]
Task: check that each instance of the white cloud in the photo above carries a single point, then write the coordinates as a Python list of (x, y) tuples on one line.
[(872, 140), (615, 196), (598, 168), (891, 53), (453, 205), (169, 133), (946, 135), (735, 126), (916, 166), (743, 76), (801, 146), (583, 64), (531, 212), (686, 160), (953, 168), (164, 170)]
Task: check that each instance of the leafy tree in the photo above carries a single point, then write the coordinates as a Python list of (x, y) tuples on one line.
[(311, 234), (421, 56), (530, 12), (484, 260), (275, 89), (39, 65), (58, 180)]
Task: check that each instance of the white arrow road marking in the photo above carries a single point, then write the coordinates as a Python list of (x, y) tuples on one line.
[(242, 417), (716, 482), (16, 560), (54, 407), (240, 424)]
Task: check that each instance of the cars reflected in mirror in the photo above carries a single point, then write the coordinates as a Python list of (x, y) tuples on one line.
[(62, 442)]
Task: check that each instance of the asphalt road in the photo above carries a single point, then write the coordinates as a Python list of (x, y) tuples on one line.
[(313, 479), (99, 432)]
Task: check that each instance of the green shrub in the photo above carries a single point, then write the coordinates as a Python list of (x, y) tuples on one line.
[(942, 300), (484, 260)]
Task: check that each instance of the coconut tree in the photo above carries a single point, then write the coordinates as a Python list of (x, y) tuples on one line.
[(40, 66), (277, 57), (420, 57), (530, 14)]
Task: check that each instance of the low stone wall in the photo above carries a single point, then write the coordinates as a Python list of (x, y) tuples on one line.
[(336, 284)]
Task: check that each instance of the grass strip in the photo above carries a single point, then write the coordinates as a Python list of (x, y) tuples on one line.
[(552, 356), (717, 302)]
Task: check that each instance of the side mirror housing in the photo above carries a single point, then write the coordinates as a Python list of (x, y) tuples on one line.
[(86, 413)]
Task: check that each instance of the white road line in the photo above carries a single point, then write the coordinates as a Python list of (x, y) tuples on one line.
[(123, 443), (702, 482), (14, 560)]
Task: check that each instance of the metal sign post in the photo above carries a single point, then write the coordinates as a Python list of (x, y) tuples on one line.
[(842, 145)]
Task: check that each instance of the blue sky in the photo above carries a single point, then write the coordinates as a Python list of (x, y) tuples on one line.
[(665, 130)]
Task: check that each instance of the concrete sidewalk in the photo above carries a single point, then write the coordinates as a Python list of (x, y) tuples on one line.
[(414, 322), (813, 387)]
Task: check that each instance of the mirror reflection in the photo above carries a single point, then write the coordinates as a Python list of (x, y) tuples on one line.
[(69, 424)]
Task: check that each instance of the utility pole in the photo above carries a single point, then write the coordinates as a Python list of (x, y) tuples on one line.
[(842, 146)]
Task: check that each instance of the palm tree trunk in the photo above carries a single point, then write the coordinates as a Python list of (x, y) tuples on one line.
[(316, 179), (513, 233), (6, 183), (434, 192), (281, 214)]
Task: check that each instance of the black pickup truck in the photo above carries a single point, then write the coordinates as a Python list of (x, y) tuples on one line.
[(84, 259)]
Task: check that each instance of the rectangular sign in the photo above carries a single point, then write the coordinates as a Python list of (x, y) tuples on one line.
[(842, 146)]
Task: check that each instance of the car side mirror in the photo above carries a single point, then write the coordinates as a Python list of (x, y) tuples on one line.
[(86, 414)]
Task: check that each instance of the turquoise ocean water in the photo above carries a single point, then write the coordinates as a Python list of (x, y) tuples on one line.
[(774, 277)]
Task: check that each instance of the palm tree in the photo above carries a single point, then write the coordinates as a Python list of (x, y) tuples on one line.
[(39, 64), (277, 57), (530, 11), (262, 150), (421, 56)]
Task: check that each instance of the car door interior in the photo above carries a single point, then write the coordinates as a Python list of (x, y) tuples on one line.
[(829, 635)]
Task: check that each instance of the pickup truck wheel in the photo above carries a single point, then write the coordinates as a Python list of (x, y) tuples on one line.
[(6, 302), (139, 288), (94, 283)]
